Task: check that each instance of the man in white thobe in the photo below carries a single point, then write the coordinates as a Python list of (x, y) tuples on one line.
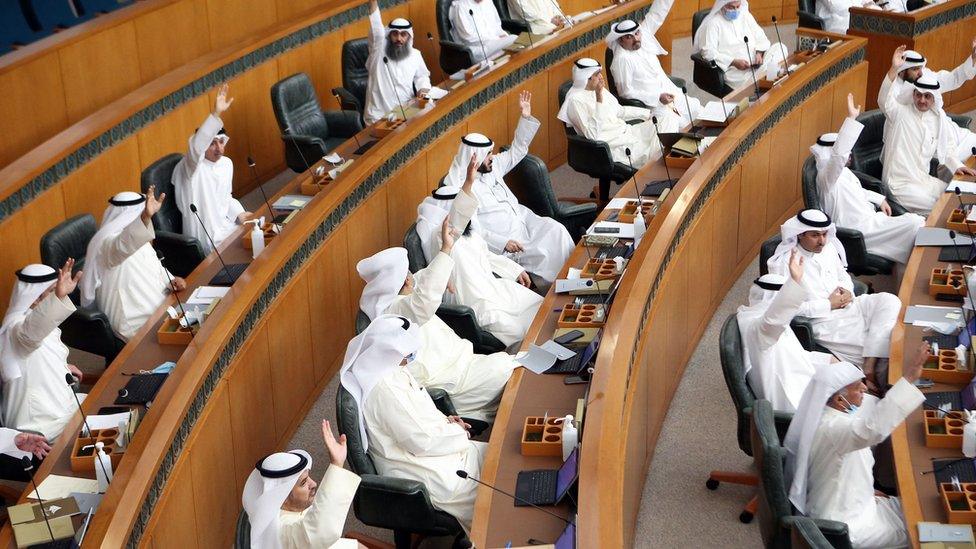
[(828, 451), (721, 38), (123, 274), (205, 178), (542, 16), (777, 367), (404, 432), (851, 205), (33, 360), (288, 510), (476, 24), (916, 131), (836, 14), (542, 245), (444, 360), (592, 111), (637, 71), (855, 329), (397, 71), (495, 287)]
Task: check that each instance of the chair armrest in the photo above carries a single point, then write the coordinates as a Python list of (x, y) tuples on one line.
[(854, 246), (442, 400), (577, 209), (181, 253), (394, 503), (590, 157), (632, 103), (347, 100), (835, 531), (462, 320), (343, 123), (514, 26), (809, 20), (782, 421), (311, 147)]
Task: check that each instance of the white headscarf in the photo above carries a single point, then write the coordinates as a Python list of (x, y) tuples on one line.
[(823, 149), (400, 24), (32, 281), (806, 220), (929, 83), (716, 9), (828, 380), (629, 26), (373, 355), (473, 143), (583, 69), (430, 215), (266, 490), (764, 288), (912, 59), (384, 274), (123, 209)]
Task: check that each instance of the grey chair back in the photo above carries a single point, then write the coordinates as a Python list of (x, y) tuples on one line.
[(807, 535), (442, 11), (696, 21), (355, 75), (362, 321), (809, 6), (808, 178), (160, 173), (769, 456), (69, 238), (242, 533), (415, 249), (866, 155), (347, 419), (296, 107), (530, 183), (733, 368), (766, 251)]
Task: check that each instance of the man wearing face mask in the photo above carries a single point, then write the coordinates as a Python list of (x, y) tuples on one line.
[(397, 71), (828, 451), (916, 131), (720, 38), (288, 510), (205, 178)]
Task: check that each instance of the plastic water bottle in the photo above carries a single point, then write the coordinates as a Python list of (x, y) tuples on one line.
[(570, 436), (257, 237), (103, 467), (969, 436)]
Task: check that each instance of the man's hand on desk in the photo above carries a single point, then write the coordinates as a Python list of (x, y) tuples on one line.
[(337, 448), (740, 64), (965, 170), (422, 94), (244, 217), (35, 444), (179, 284), (76, 372)]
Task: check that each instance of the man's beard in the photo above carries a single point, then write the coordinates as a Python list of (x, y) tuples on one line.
[(907, 77), (395, 52), (484, 169)]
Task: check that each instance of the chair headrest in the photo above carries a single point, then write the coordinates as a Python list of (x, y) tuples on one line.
[(68, 239), (347, 418), (160, 174), (442, 9)]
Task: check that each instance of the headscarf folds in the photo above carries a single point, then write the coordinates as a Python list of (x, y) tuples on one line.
[(123, 209), (32, 281), (384, 274), (471, 144), (266, 490), (583, 69), (716, 12), (629, 26), (806, 220)]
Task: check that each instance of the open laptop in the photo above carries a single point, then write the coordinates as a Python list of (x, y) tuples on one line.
[(547, 486), (576, 363)]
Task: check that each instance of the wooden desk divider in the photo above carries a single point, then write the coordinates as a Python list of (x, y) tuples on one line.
[(269, 233), (171, 333), (542, 440), (83, 460), (583, 317), (600, 269), (681, 162), (960, 506), (629, 212), (944, 368), (957, 222), (945, 431), (385, 127), (944, 281)]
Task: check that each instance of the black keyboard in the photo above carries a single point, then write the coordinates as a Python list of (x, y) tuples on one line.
[(945, 469), (943, 341), (365, 147), (569, 366), (955, 254), (655, 188), (66, 543), (536, 487), (229, 275), (141, 388), (938, 398), (611, 252)]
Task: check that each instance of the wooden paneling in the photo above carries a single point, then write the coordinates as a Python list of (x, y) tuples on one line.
[(99, 70), (290, 8), (232, 21), (364, 243), (33, 106), (175, 525), (557, 132), (405, 190), (441, 153), (171, 36), (88, 189), (290, 346), (790, 154), (854, 81), (538, 86), (215, 483), (699, 272), (492, 120), (332, 309), (725, 239), (424, 19), (172, 132), (251, 421), (817, 116), (752, 196), (319, 59)]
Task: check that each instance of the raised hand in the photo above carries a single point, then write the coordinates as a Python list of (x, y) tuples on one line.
[(153, 204), (66, 282), (35, 444), (898, 57), (913, 369), (337, 448), (448, 234), (525, 103), (796, 266), (853, 110), (471, 174), (222, 103)]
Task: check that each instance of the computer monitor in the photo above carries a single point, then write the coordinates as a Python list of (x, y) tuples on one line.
[(567, 475), (567, 540)]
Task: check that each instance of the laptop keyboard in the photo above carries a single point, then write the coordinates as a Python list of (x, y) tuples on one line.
[(611, 252), (938, 398), (944, 341), (141, 389), (568, 366), (540, 487)]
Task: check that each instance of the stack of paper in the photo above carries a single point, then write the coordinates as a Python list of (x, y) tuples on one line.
[(611, 228), (716, 111), (291, 202)]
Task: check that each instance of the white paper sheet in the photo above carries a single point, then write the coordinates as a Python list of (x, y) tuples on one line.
[(58, 486), (536, 360), (937, 236), (963, 186), (203, 295), (562, 353), (107, 421), (715, 111), (624, 230), (436, 93)]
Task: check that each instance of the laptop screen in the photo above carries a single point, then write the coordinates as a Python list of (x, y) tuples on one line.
[(567, 540), (567, 474)]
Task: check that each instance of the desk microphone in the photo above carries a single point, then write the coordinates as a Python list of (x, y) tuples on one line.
[(172, 288), (335, 93), (786, 61), (386, 63), (752, 67), (633, 177), (308, 167), (664, 154), (691, 117), (464, 474), (28, 467), (254, 173), (70, 380), (230, 277), (483, 50)]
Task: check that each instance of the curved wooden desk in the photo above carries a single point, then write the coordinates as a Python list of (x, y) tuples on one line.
[(702, 238)]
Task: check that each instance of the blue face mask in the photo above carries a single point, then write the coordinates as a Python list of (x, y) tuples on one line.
[(851, 409), (731, 15), (164, 368)]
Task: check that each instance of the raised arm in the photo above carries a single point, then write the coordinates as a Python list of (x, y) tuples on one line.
[(429, 284), (139, 233), (655, 16), (887, 99), (377, 32), (205, 134), (527, 127), (954, 79), (784, 306), (841, 151)]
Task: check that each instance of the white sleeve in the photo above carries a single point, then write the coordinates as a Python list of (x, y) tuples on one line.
[(953, 80), (887, 100), (426, 438), (377, 32), (780, 312), (876, 423), (873, 197), (323, 522), (634, 113), (711, 51), (429, 286), (40, 322), (134, 236), (421, 78), (758, 41), (463, 25), (585, 120), (504, 267), (201, 141), (656, 16), (841, 151), (527, 127)]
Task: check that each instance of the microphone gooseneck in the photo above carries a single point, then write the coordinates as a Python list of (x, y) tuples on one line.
[(480, 41), (752, 68), (569, 22), (28, 467), (660, 143), (193, 208), (524, 20), (335, 93), (70, 380), (464, 474), (691, 117), (254, 173), (170, 278), (386, 63), (786, 62), (633, 177), (298, 148)]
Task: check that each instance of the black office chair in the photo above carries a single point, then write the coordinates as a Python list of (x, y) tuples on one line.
[(181, 253), (396, 504), (242, 532), (530, 183), (775, 511), (593, 158), (15, 29), (733, 368), (454, 56), (807, 535), (806, 10), (859, 261), (510, 24), (460, 318), (866, 155), (307, 131), (707, 75), (612, 84), (52, 14), (355, 75), (87, 329), (94, 7)]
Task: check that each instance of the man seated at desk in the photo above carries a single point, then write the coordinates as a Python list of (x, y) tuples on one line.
[(837, 13), (542, 16), (542, 245), (444, 360), (850, 204), (405, 73), (205, 178), (777, 367), (592, 111), (494, 286), (855, 329), (123, 274), (288, 510), (404, 432), (476, 24), (33, 360), (720, 38), (917, 130), (828, 451), (637, 71)]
